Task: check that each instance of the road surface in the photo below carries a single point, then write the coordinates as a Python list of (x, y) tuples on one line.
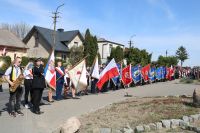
[(58, 112)]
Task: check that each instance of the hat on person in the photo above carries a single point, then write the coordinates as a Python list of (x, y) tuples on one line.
[(38, 59)]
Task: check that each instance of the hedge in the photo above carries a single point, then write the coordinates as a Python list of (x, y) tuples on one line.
[(6, 61)]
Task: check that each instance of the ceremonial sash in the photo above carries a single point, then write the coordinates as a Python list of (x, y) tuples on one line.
[(60, 71)]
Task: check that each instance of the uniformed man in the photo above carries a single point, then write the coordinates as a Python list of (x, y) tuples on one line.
[(38, 85), (11, 74)]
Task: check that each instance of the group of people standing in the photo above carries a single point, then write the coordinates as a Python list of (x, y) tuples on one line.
[(34, 85), (188, 72)]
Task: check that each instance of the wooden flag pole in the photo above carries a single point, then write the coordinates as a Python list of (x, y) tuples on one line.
[(78, 62)]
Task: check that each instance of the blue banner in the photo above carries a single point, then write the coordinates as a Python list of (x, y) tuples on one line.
[(164, 72), (136, 74), (152, 74), (116, 80), (159, 73)]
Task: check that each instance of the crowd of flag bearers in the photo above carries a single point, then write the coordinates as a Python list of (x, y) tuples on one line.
[(71, 81)]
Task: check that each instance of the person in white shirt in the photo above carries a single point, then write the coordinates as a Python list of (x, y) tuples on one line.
[(28, 82), (11, 74), (66, 83)]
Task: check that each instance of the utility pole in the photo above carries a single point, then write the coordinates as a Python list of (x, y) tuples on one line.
[(166, 53), (130, 42), (55, 16)]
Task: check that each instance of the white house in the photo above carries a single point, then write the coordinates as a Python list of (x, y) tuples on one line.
[(105, 47)]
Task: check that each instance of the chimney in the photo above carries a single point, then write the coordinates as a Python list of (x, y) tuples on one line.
[(60, 30)]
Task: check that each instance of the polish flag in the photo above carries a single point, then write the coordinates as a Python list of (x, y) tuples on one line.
[(126, 75), (50, 73), (109, 72)]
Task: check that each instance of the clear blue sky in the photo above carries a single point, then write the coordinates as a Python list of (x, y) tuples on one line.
[(159, 25)]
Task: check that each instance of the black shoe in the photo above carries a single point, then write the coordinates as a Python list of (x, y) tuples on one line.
[(66, 97), (38, 112), (13, 114), (51, 101), (42, 103), (20, 113)]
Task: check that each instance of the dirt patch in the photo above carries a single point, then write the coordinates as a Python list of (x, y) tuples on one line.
[(136, 111)]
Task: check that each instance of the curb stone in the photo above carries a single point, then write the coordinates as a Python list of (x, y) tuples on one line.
[(147, 128)]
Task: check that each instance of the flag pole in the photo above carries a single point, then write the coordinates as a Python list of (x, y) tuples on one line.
[(79, 62)]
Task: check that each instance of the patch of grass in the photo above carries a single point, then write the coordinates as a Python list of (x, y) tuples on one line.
[(187, 80), (138, 111)]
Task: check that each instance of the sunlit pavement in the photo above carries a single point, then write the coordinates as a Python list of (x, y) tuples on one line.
[(59, 111)]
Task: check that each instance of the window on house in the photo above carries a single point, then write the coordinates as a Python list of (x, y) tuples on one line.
[(76, 44), (64, 56), (36, 40)]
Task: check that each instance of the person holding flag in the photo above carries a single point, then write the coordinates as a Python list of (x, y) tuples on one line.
[(59, 80), (145, 73), (94, 76), (109, 72), (126, 75), (136, 74), (117, 80), (152, 74), (38, 85), (66, 83), (78, 78), (28, 78), (50, 76)]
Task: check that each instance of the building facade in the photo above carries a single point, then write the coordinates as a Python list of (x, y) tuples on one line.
[(105, 47), (11, 45), (40, 42)]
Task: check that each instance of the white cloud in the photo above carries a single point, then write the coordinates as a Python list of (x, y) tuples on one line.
[(41, 15), (162, 4)]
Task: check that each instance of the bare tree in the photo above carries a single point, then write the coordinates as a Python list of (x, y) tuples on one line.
[(19, 29)]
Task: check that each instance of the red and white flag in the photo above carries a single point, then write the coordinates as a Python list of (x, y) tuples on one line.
[(171, 72), (50, 73), (109, 72), (78, 76), (145, 72), (126, 75), (168, 75)]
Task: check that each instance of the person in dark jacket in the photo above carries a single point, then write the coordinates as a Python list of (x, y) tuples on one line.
[(1, 76), (59, 80), (38, 85)]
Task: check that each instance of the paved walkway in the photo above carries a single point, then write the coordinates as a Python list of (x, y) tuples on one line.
[(58, 112)]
